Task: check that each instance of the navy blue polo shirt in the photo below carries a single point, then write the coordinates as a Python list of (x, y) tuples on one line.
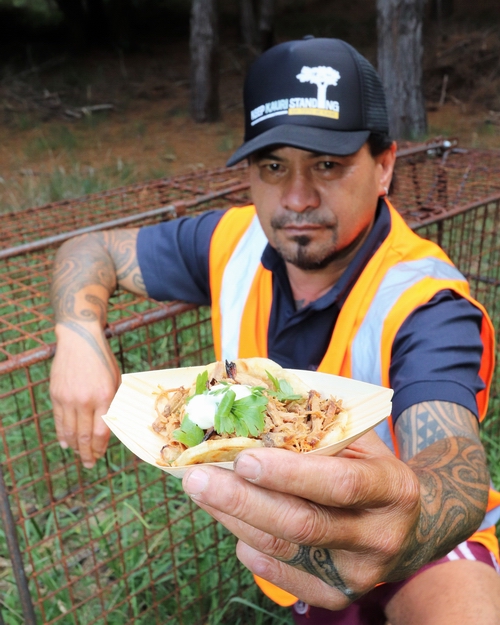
[(436, 354)]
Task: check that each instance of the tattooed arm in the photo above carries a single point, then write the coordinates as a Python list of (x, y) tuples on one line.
[(440, 442), (85, 374), (328, 529)]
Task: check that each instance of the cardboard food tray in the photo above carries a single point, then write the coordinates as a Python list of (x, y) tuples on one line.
[(132, 413)]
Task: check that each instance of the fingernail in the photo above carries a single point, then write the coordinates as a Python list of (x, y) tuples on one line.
[(248, 467), (64, 444), (88, 465), (196, 482)]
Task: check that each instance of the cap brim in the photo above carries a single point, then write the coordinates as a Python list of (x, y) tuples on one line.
[(335, 142)]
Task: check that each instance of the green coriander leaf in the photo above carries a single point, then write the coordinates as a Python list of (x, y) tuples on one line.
[(287, 390), (283, 389), (250, 414), (218, 391), (275, 382), (201, 382), (189, 433), (240, 427), (224, 420)]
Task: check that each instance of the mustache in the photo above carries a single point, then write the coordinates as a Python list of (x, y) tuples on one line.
[(301, 219)]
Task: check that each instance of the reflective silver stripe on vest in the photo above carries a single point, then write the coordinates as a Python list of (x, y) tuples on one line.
[(366, 352), (491, 518), (239, 274)]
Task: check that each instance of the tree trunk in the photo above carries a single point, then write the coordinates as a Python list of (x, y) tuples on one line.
[(203, 43), (248, 26), (399, 29), (266, 24)]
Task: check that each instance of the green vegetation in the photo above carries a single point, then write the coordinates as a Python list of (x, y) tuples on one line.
[(64, 183), (121, 542), (59, 138)]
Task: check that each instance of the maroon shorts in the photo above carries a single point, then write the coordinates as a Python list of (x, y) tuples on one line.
[(370, 608)]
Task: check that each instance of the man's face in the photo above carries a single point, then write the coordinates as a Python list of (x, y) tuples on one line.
[(315, 208)]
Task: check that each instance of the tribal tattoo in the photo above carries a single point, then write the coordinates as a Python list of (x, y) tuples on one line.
[(422, 425), (319, 562), (440, 442), (87, 271)]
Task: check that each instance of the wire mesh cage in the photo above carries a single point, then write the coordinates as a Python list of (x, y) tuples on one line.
[(121, 543)]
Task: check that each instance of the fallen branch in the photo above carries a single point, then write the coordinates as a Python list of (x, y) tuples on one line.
[(79, 112)]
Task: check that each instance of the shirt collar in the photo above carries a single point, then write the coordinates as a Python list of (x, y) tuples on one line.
[(272, 261)]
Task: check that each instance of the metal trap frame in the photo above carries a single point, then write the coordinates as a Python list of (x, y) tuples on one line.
[(122, 543)]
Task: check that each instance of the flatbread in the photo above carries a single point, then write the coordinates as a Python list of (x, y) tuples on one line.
[(222, 450)]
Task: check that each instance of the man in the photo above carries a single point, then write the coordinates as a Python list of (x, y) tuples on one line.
[(322, 274)]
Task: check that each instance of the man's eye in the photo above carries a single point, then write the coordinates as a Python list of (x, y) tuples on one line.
[(326, 165), (272, 168)]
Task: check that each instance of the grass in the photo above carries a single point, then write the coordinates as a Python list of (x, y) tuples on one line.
[(58, 138), (67, 182), (121, 542), (492, 445)]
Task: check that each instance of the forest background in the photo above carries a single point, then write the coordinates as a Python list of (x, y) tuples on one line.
[(85, 112)]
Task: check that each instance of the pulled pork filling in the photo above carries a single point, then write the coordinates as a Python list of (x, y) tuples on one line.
[(296, 424)]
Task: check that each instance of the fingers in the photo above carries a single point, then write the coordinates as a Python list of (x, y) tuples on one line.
[(351, 572), (84, 379), (92, 436), (100, 435), (362, 482), (280, 562), (84, 428), (326, 529), (315, 526), (242, 507), (83, 431), (59, 423)]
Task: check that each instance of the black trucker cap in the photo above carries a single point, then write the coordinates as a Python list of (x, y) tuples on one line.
[(316, 94)]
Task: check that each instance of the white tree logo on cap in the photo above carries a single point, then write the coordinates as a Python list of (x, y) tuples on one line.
[(321, 76)]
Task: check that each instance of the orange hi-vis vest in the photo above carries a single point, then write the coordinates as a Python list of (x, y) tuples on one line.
[(404, 273)]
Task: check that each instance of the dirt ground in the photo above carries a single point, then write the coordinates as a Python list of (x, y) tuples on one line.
[(147, 131)]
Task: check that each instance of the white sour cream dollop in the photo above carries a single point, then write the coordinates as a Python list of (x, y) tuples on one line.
[(201, 409), (240, 390)]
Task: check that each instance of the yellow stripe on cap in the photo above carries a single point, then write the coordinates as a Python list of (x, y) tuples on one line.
[(318, 112)]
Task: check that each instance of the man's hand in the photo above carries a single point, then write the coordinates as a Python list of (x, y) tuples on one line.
[(84, 379), (326, 529), (85, 375)]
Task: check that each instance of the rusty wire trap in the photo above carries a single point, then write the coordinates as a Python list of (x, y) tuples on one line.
[(122, 543)]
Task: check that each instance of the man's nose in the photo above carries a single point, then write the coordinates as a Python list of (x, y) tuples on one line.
[(300, 194)]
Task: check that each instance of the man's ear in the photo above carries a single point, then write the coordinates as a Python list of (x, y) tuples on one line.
[(386, 161)]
